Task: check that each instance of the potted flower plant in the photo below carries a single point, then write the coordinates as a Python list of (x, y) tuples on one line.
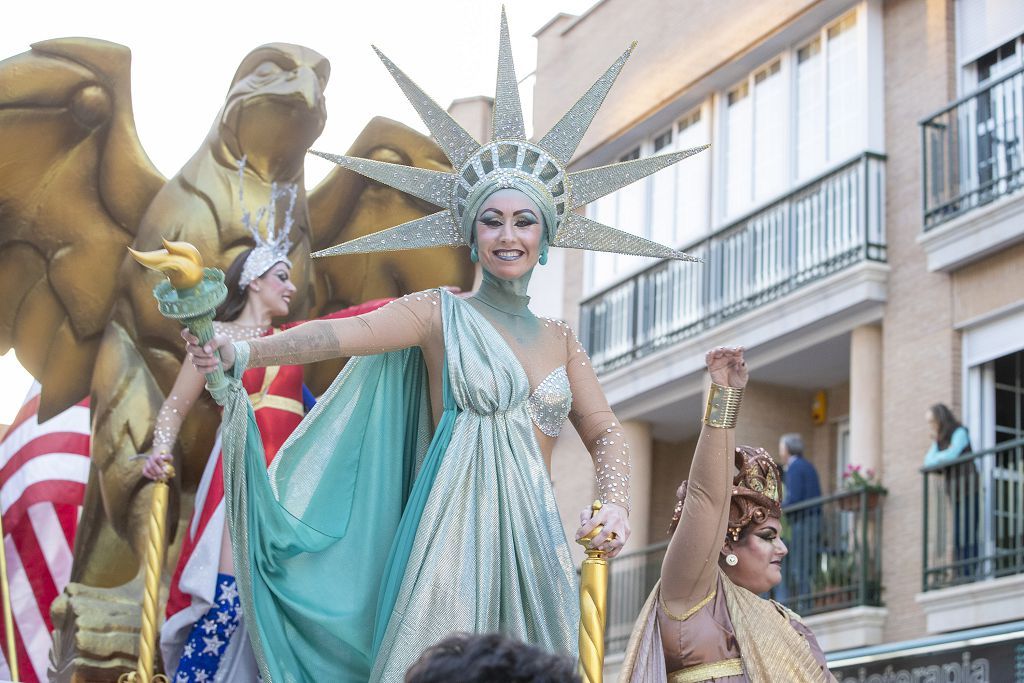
[(857, 478)]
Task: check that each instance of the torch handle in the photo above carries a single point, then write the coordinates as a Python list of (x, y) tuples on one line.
[(203, 329)]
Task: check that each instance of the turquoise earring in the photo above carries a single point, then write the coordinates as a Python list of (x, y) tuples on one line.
[(543, 256), (473, 256)]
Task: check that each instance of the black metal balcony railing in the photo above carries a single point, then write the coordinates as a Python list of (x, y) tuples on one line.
[(834, 562), (828, 224), (835, 552), (972, 150), (974, 517), (631, 578)]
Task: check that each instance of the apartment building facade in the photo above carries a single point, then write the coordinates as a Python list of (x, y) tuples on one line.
[(860, 214)]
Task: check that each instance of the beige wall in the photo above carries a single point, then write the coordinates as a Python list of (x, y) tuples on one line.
[(572, 477), (989, 285), (675, 48), (920, 366), (671, 465)]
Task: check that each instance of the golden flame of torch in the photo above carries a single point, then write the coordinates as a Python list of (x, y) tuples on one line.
[(179, 261)]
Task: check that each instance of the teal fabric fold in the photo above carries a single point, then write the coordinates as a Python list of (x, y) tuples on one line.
[(401, 548)]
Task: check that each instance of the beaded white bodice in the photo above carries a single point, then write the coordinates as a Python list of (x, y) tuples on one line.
[(550, 402)]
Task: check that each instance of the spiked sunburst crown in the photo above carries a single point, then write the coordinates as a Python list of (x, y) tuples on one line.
[(508, 160)]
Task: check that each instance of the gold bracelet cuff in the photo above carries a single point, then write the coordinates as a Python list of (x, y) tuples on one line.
[(723, 406)]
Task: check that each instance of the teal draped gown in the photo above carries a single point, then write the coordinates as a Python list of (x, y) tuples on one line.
[(373, 536)]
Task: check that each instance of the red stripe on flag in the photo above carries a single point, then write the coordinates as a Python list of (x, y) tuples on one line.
[(26, 670), (57, 442), (36, 568), (67, 514), (53, 491)]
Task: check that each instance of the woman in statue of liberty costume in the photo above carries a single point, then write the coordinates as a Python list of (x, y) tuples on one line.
[(414, 500)]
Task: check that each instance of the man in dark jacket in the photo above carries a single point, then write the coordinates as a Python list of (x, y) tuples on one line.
[(800, 484)]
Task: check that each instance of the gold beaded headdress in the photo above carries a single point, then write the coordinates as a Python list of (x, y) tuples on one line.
[(756, 492), (509, 160)]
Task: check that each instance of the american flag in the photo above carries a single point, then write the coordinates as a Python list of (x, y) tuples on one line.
[(43, 472)]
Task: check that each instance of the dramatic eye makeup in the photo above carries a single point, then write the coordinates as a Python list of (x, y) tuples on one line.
[(491, 217), (525, 218)]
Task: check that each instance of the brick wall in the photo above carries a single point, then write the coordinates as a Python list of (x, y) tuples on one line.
[(919, 365)]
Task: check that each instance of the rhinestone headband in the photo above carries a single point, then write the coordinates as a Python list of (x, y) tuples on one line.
[(272, 244)]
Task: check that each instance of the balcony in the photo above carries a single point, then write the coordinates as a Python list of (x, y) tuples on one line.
[(834, 564), (973, 550), (826, 226), (973, 173), (974, 517)]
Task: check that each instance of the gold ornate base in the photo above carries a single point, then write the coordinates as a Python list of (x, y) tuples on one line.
[(133, 677), (96, 634)]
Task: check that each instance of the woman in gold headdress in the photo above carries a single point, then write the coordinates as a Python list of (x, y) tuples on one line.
[(704, 620)]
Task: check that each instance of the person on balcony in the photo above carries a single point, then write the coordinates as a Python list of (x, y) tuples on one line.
[(801, 484), (950, 441), (704, 620)]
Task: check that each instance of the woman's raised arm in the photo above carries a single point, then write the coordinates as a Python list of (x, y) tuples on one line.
[(689, 569)]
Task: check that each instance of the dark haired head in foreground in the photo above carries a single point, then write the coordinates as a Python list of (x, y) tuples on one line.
[(489, 658)]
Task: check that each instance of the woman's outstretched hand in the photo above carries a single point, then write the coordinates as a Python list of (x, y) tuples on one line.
[(727, 367), (203, 357), (154, 467), (615, 521)]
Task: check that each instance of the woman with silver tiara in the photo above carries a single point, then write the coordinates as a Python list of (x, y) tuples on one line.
[(414, 500), (704, 620)]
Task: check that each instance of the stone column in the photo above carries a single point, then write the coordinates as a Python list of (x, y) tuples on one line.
[(866, 397), (641, 451)]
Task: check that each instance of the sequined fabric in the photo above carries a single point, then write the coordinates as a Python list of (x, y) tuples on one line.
[(550, 402)]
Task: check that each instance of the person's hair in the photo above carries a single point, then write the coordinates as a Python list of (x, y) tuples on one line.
[(489, 657), (756, 492), (237, 297), (794, 443), (947, 424)]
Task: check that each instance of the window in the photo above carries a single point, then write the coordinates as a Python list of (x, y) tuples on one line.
[(995, 122), (845, 92), (739, 139), (1008, 375), (810, 110), (842, 450), (663, 195), (692, 178), (999, 62), (770, 128)]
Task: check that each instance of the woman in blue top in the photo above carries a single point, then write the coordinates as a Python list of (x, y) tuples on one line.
[(949, 437), (949, 442)]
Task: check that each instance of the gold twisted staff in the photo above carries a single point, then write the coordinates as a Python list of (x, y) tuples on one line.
[(593, 606), (183, 297), (151, 595), (12, 652)]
